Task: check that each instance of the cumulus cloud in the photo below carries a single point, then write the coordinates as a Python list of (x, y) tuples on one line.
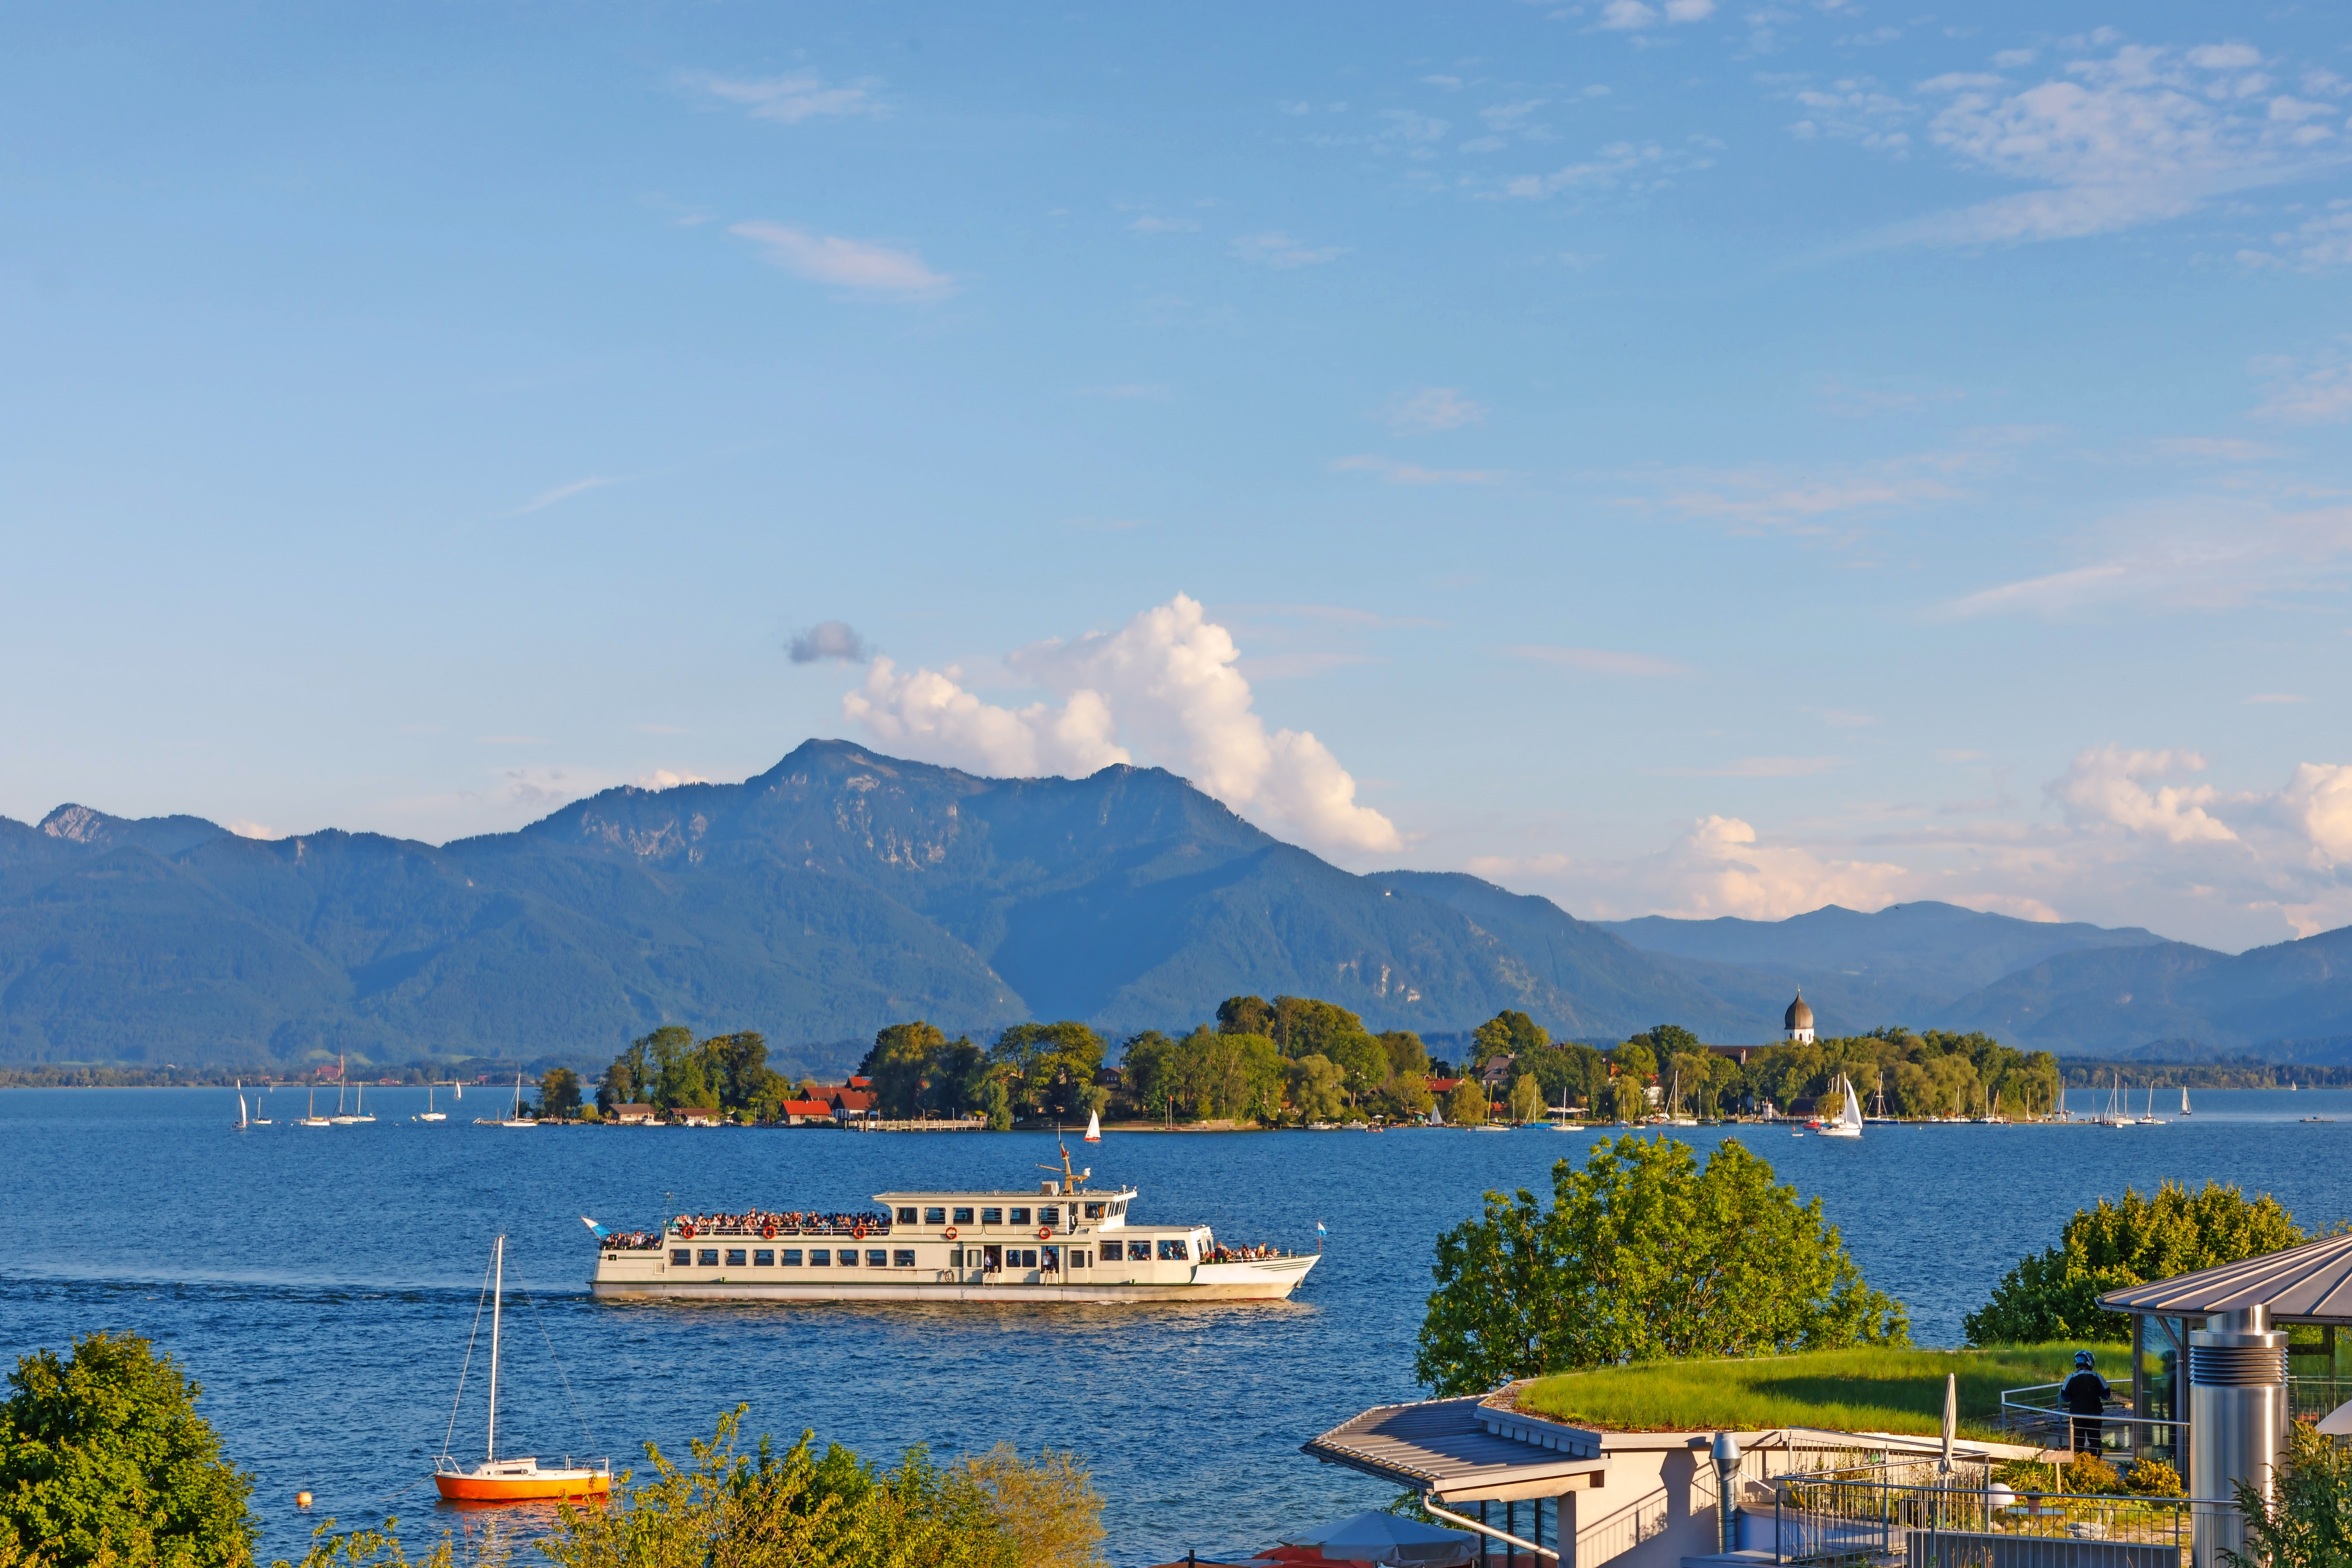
[(254, 830), (830, 640), (792, 99), (2126, 836), (875, 270), (1162, 689), (2141, 135)]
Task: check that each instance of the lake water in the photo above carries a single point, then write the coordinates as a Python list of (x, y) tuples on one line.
[(320, 1284)]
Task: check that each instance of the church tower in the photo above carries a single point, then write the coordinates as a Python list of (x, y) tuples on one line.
[(1799, 1021)]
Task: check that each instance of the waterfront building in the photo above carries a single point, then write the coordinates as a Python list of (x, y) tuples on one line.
[(634, 1115)]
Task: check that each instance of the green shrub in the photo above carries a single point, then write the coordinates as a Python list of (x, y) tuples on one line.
[(2310, 1525), (2154, 1478), (2090, 1473)]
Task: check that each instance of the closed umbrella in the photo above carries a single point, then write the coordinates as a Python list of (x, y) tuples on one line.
[(1373, 1536), (1951, 1414)]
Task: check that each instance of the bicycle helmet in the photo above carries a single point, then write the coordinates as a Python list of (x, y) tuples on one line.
[(2085, 1361)]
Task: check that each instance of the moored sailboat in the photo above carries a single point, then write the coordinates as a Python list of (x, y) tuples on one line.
[(517, 1118), (509, 1481), (1847, 1124), (428, 1113), (314, 1119), (1094, 1127)]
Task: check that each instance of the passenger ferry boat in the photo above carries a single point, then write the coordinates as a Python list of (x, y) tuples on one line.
[(1064, 1242)]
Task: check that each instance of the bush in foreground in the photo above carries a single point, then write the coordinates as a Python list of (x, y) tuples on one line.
[(104, 1460)]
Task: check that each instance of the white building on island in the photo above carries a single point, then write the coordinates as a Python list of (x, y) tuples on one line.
[(1799, 1021)]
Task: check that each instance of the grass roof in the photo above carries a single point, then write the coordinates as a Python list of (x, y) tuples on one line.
[(1869, 1390)]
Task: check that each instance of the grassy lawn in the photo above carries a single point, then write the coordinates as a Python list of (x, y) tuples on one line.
[(1847, 1390)]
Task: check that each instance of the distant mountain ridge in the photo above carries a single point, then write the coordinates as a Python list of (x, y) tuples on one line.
[(843, 889), (837, 891)]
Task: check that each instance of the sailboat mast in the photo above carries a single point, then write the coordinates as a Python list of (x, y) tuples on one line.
[(498, 1296)]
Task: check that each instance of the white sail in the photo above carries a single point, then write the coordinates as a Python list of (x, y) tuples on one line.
[(1853, 1106), (1094, 1128)]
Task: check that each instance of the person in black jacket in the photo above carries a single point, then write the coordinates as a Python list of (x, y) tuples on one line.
[(2085, 1397)]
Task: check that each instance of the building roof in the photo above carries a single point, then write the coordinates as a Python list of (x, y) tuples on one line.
[(633, 1109), (2306, 1284), (1460, 1448), (808, 1107), (1799, 1015), (853, 1100)]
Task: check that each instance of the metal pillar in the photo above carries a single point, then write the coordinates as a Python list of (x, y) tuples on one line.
[(1484, 1556), (1510, 1527), (2238, 1404), (1726, 1492)]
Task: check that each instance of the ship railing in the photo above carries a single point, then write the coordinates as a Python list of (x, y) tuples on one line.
[(755, 1233)]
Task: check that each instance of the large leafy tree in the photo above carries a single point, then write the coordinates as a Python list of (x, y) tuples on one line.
[(1643, 1256), (2054, 1294), (1245, 1015), (1049, 1064), (737, 1067), (898, 1065), (103, 1456), (559, 1093), (1507, 1032)]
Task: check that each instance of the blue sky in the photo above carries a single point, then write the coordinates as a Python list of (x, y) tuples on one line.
[(1673, 457)]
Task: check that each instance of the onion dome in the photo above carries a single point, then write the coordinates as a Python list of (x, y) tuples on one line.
[(1799, 1017)]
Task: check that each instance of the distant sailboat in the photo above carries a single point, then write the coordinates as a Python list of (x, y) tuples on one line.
[(243, 1120), (314, 1119), (517, 1118), (1848, 1121), (2119, 1114), (2184, 1102), (1094, 1127), (428, 1113), (2151, 1119), (359, 1104), (260, 1120)]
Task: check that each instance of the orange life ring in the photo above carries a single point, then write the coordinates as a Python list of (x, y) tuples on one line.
[(857, 1232), (767, 1233), (686, 1233), (950, 1232), (1045, 1233)]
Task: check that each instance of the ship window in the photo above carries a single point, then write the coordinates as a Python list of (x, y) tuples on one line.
[(963, 1216), (820, 1258), (1172, 1251), (955, 1256), (791, 1258), (734, 1258), (1138, 1252), (904, 1257), (991, 1216), (681, 1255), (877, 1258), (935, 1216), (1094, 1211), (710, 1258), (907, 1216), (1050, 1215), (849, 1258), (1020, 1217), (1080, 1259), (765, 1257), (1021, 1257)]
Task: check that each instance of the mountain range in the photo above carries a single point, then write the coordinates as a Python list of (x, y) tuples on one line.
[(842, 889)]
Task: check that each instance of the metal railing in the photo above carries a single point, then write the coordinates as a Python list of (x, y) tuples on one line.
[(1962, 1519), (2033, 1414), (2316, 1396)]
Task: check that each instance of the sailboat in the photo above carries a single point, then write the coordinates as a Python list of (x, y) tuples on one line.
[(1674, 1117), (509, 1481), (2184, 1102), (359, 1104), (2118, 1115), (260, 1120), (1094, 1127), (1848, 1122), (2151, 1119), (1878, 1101), (243, 1121), (342, 1117), (428, 1113), (517, 1118), (314, 1119)]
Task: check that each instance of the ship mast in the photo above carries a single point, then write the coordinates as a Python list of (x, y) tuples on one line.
[(498, 1293)]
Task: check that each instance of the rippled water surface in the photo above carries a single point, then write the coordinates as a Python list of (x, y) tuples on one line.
[(320, 1283)]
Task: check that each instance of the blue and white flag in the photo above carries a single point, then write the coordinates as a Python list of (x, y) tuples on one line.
[(1319, 1230), (591, 1224)]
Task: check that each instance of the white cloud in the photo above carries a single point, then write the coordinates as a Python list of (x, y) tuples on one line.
[(876, 270), (1633, 16), (2317, 391), (801, 94), (1599, 660), (1165, 684), (2109, 785), (1392, 472), (1276, 250), (1720, 867), (1433, 408), (2139, 136), (834, 641), (1153, 223), (2317, 802), (254, 830), (1632, 166), (665, 778), (1856, 109), (2198, 553)]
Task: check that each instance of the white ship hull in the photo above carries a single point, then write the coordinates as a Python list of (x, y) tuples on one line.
[(1272, 1280)]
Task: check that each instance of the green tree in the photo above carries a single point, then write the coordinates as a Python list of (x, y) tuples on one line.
[(1526, 1100), (684, 1083), (1643, 1257), (559, 1094), (1636, 1057), (635, 1074), (899, 1065), (999, 1104), (737, 1067), (103, 1458), (2054, 1294), (1049, 1062), (1315, 1086), (1627, 1102), (1245, 1015), (1408, 1058), (1303, 1027), (1153, 1071), (1467, 1106)]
